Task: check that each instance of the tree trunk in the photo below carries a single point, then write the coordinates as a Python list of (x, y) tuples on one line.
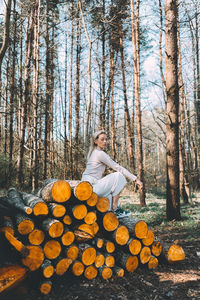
[(35, 94), (183, 178), (136, 55), (26, 96), (128, 122), (70, 98), (172, 110)]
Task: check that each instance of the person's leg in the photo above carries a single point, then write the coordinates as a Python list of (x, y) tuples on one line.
[(110, 186), (115, 202)]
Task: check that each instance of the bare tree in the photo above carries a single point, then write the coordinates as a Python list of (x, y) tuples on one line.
[(136, 58), (172, 111)]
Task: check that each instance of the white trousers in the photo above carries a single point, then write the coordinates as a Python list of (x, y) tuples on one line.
[(110, 185)]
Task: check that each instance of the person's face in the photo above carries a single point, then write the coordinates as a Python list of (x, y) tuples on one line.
[(102, 141)]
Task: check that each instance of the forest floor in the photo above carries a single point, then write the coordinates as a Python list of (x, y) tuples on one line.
[(177, 281)]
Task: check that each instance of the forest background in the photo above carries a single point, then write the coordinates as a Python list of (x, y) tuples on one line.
[(68, 68)]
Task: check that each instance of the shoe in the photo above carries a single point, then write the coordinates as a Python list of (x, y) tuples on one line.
[(121, 213)]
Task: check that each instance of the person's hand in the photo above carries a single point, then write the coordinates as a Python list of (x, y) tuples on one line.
[(139, 184)]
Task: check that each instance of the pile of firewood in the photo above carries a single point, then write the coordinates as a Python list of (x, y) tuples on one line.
[(66, 227)]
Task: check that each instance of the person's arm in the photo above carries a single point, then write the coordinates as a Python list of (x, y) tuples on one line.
[(105, 158)]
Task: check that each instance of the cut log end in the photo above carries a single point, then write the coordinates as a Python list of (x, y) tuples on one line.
[(106, 272), (132, 263), (134, 246), (141, 229), (110, 221), (90, 218), (99, 260), (103, 204), (34, 259), (67, 220), (92, 201), (175, 254), (77, 268), (145, 255), (52, 249), (40, 209), (48, 271), (72, 252), (88, 256), (110, 247), (156, 248), (67, 238), (83, 191), (25, 227), (45, 287), (90, 272), (152, 263), (148, 240), (79, 211), (56, 229), (61, 191), (122, 235), (63, 265), (36, 237)]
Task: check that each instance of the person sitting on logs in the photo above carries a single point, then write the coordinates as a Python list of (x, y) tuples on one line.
[(110, 185)]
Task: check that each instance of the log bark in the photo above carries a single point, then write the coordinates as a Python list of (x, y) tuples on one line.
[(7, 225), (38, 206), (15, 200)]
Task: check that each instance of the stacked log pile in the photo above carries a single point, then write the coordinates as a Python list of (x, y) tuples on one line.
[(66, 227)]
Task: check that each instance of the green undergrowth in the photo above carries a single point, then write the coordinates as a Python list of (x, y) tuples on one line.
[(154, 214)]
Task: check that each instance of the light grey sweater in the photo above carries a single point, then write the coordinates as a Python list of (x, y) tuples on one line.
[(97, 163)]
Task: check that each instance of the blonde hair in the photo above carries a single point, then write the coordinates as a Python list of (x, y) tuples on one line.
[(93, 146)]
